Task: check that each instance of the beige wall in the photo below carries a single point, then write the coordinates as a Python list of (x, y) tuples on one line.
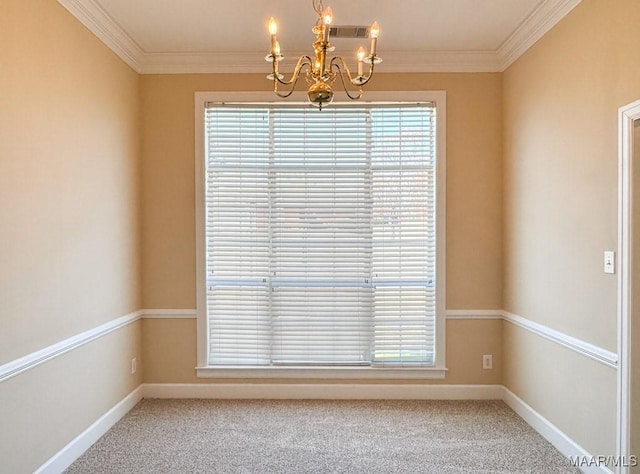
[(560, 168), (474, 188), (170, 356), (575, 393), (560, 208), (69, 239), (473, 211), (45, 408), (68, 179)]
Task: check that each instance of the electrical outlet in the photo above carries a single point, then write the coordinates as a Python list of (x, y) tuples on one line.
[(487, 361), (134, 365)]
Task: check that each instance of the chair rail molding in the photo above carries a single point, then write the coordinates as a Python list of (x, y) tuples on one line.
[(29, 361), (17, 366)]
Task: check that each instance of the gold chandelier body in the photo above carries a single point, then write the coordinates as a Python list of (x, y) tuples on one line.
[(321, 72)]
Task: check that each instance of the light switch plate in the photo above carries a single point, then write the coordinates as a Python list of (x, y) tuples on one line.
[(609, 261)]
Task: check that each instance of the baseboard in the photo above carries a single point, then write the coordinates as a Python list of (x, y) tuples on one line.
[(72, 451), (550, 432), (324, 391)]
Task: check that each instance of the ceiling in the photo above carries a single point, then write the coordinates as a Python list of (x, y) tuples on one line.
[(183, 36)]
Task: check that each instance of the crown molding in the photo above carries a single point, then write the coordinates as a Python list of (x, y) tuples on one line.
[(98, 21), (534, 27), (253, 62)]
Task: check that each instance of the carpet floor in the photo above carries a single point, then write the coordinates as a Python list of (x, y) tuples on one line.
[(271, 436)]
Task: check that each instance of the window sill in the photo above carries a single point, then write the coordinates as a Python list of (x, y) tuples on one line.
[(389, 373)]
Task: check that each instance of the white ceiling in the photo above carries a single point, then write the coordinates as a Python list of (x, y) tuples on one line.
[(180, 36)]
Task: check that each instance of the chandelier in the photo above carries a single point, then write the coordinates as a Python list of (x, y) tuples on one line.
[(322, 72)]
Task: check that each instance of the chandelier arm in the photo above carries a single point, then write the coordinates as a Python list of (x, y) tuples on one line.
[(341, 74), (372, 65), (302, 61), (337, 61), (283, 95), (363, 79)]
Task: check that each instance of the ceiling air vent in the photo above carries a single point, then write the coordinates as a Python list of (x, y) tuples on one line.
[(349, 31)]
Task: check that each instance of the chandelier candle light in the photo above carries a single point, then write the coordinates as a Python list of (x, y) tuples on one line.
[(320, 73)]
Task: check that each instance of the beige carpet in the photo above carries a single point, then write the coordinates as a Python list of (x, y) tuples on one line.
[(222, 436)]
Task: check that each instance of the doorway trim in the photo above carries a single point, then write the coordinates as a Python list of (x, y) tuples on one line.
[(626, 117)]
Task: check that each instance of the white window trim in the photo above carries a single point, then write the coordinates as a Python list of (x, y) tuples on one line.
[(203, 370)]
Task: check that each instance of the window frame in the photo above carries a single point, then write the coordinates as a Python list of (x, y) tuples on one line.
[(203, 370)]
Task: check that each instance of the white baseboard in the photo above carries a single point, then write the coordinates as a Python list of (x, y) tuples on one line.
[(72, 451), (550, 432), (324, 391)]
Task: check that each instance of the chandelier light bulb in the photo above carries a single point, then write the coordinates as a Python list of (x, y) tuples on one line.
[(273, 26), (374, 33), (375, 30), (273, 29), (328, 16), (360, 55)]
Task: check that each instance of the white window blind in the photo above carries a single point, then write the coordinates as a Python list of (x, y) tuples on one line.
[(320, 235)]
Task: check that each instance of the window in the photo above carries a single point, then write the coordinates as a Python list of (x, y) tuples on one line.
[(320, 235)]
